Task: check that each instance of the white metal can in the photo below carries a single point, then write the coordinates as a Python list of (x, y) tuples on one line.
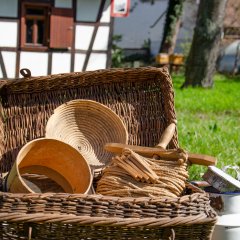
[(227, 227), (225, 203)]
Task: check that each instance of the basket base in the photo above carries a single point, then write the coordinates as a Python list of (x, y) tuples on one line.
[(74, 231)]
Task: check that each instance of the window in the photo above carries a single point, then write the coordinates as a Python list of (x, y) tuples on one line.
[(35, 25), (43, 26), (120, 8)]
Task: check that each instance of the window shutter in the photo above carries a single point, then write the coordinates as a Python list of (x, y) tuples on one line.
[(23, 29), (61, 28)]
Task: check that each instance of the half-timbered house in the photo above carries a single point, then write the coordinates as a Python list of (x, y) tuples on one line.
[(54, 36)]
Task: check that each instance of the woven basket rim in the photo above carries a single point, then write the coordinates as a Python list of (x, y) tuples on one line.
[(201, 215), (71, 196), (92, 72), (110, 221), (73, 79)]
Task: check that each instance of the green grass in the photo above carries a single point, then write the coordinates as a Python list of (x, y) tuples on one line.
[(209, 121)]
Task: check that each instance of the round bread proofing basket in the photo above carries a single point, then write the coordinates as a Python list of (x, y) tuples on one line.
[(87, 126)]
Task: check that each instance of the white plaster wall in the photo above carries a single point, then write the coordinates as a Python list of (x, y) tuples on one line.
[(9, 59), (61, 63), (63, 3), (139, 25), (37, 63), (79, 62), (106, 12), (8, 34), (8, 8), (83, 36), (1, 75), (101, 40), (97, 61), (87, 10)]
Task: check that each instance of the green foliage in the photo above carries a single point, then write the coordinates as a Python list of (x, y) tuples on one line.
[(119, 60), (175, 11), (117, 52), (147, 43), (208, 30), (209, 121), (185, 47)]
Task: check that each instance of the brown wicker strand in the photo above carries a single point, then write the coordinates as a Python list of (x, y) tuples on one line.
[(148, 177)]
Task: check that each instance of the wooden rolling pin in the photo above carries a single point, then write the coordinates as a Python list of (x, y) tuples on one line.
[(193, 158), (167, 135)]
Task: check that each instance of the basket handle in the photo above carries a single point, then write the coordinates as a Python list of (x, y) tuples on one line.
[(167, 135), (169, 234), (25, 72)]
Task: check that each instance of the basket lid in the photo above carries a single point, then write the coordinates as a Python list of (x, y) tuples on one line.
[(221, 180), (87, 125)]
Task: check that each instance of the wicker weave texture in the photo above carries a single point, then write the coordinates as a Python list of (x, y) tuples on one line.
[(131, 175), (116, 218), (143, 98), (53, 231)]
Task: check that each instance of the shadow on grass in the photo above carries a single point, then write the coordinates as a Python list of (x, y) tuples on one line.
[(228, 77), (178, 79)]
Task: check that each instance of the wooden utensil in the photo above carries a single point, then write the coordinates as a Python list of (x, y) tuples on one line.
[(171, 154), (167, 135)]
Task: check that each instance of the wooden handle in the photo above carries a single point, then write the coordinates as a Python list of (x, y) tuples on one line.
[(200, 183), (171, 154), (167, 136)]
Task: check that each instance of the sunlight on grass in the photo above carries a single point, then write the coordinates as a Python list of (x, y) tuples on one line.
[(209, 121)]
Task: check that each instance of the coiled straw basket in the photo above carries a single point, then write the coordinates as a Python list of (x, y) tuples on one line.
[(144, 100), (87, 126)]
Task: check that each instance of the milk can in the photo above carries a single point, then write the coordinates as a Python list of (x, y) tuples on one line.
[(227, 205)]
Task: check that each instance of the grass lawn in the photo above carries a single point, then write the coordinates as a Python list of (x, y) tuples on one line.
[(209, 121)]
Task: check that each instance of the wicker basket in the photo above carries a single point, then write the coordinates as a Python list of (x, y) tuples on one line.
[(143, 98), (87, 126), (63, 216)]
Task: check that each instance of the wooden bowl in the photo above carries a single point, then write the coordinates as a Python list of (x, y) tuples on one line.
[(53, 159)]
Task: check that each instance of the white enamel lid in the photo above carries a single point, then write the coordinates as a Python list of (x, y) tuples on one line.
[(225, 176)]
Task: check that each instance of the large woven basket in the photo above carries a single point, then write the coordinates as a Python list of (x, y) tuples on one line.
[(143, 98)]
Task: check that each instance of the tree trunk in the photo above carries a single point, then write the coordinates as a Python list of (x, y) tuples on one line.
[(201, 62), (172, 25)]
